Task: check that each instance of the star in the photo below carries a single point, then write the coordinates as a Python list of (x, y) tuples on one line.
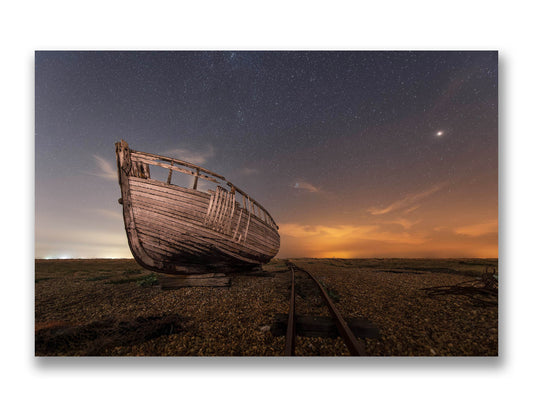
[(440, 133)]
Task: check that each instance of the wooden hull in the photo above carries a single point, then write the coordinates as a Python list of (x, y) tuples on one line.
[(177, 230)]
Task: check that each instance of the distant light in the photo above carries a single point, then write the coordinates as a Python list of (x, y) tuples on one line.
[(440, 133)]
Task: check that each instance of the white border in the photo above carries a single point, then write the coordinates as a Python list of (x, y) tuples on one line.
[(418, 25)]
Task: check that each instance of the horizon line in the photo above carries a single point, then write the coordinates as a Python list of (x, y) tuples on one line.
[(275, 258)]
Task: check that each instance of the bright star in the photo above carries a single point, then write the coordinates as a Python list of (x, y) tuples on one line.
[(440, 133)]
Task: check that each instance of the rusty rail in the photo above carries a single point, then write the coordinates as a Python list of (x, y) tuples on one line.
[(354, 346)]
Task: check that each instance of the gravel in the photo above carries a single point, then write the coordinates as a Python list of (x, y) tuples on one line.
[(99, 307)]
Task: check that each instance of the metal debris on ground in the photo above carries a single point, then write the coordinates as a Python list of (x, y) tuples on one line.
[(481, 291)]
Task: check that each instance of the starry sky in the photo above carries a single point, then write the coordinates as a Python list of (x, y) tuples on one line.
[(355, 154)]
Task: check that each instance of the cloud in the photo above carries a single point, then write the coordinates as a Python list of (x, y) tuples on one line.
[(345, 233), (478, 229), (299, 230), (406, 223), (410, 202), (350, 240), (305, 186), (105, 169), (411, 209), (346, 240), (194, 157)]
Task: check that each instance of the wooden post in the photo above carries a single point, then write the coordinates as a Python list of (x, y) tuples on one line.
[(146, 170), (170, 173), (196, 179)]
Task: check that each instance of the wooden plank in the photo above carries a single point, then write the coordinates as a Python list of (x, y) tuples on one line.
[(173, 253), (146, 211), (145, 157), (174, 168), (172, 200), (174, 217), (171, 248), (187, 212), (238, 224), (245, 195), (123, 155), (164, 228), (247, 226), (163, 187), (246, 259), (226, 218), (182, 212), (176, 201), (210, 206), (195, 185), (142, 155), (169, 178), (212, 214), (161, 247), (219, 206), (191, 217), (229, 224)]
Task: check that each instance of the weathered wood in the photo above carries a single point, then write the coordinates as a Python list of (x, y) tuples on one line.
[(172, 199), (247, 226), (186, 211), (162, 187), (238, 224), (175, 168), (195, 185), (191, 236), (124, 165), (169, 178), (179, 203), (141, 155), (189, 232), (221, 216), (170, 226), (245, 195), (322, 326)]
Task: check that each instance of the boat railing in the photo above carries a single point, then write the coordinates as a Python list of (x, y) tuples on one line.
[(141, 162)]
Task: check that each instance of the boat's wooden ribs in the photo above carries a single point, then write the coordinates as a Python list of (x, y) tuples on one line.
[(220, 213), (137, 157), (154, 157), (177, 211), (140, 168)]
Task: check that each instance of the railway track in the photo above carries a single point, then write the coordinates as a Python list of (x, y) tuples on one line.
[(354, 346)]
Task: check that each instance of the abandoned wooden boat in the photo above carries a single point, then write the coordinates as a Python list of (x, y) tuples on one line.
[(182, 230)]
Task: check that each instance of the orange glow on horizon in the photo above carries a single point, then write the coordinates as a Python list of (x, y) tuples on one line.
[(389, 239)]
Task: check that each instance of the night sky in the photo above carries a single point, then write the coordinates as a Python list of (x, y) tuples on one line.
[(355, 154)]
